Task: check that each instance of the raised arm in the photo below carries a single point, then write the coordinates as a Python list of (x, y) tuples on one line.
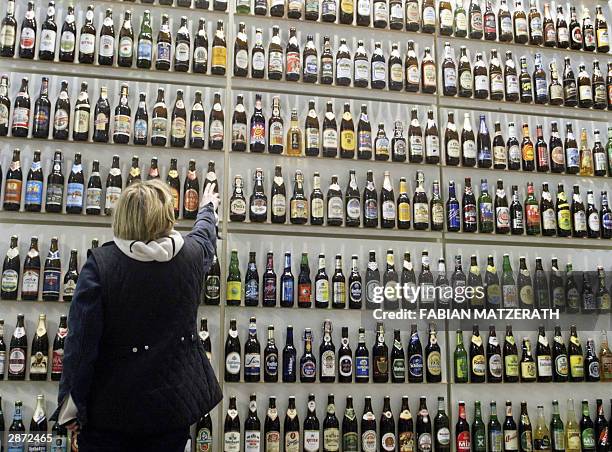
[(204, 229)]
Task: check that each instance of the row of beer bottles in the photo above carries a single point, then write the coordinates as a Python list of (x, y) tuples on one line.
[(507, 83), (29, 280), (39, 437), (415, 363), (40, 364), (485, 213), (521, 26), (123, 47), (163, 128), (38, 360), (76, 195), (425, 433), (391, 288), (547, 362)]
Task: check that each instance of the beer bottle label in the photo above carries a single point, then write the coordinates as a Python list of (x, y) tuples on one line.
[(350, 442), (203, 440), (511, 364)]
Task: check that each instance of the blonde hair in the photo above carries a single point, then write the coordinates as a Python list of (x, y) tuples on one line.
[(144, 212)]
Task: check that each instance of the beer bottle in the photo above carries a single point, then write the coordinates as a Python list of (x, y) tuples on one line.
[(216, 128), (557, 430), (591, 362), (311, 131), (477, 357), (31, 272), (291, 427), (511, 362), (338, 286), (233, 360), (144, 51), (494, 358), (541, 436), (345, 359), (9, 284), (414, 354), (510, 431), (294, 136), (257, 127), (311, 427), (178, 126), (231, 427), (287, 282), (525, 430), (271, 358), (331, 427), (575, 356), (398, 361), (212, 284), (405, 429), (251, 282), (114, 185), (258, 202), (102, 118), (605, 357), (182, 47), (308, 363), (76, 187), (205, 337), (433, 360), (200, 48), (381, 144), (387, 436), (426, 283), (372, 280), (362, 360), (380, 356), (573, 437), (87, 38), (289, 358), (463, 440), (292, 57), (39, 357), (17, 428), (368, 426), (164, 45), (21, 111), (191, 192), (57, 359), (234, 284), (41, 118), (71, 277), (126, 41), (601, 427), (219, 51), (460, 360), (252, 354), (420, 204), (18, 351), (587, 432), (61, 118), (272, 426), (27, 39), (106, 51), (415, 139), (8, 31), (52, 273), (93, 196), (343, 64), (423, 427), (204, 433), (14, 181), (38, 426)]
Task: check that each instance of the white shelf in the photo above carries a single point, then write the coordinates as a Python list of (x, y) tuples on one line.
[(343, 92), (43, 68)]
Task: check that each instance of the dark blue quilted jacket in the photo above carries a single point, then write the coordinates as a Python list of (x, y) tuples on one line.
[(133, 360)]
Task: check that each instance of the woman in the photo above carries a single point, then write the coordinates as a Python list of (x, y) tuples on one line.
[(136, 376)]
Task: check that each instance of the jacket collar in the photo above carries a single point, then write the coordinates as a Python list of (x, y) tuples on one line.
[(160, 250)]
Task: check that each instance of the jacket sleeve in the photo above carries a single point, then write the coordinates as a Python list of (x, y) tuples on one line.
[(85, 326), (205, 234)]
